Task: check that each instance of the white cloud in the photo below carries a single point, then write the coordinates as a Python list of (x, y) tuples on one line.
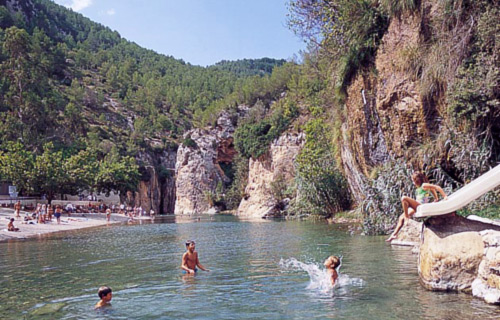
[(78, 5), (111, 12)]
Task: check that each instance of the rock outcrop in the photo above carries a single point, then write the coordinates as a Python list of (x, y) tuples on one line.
[(156, 189), (198, 171), (388, 105), (278, 163), (388, 112), (456, 252), (409, 235)]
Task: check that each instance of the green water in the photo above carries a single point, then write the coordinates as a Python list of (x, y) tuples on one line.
[(268, 270)]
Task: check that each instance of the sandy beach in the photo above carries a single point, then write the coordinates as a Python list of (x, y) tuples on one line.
[(76, 221)]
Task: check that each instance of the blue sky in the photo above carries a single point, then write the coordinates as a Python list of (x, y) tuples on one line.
[(201, 32)]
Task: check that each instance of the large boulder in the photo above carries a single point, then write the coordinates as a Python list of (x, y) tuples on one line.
[(409, 235), (453, 252)]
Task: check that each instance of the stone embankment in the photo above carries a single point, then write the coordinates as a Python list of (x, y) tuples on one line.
[(460, 254)]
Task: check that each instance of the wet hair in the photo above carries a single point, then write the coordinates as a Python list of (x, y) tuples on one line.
[(104, 291), (11, 219), (335, 261), (188, 242), (419, 178)]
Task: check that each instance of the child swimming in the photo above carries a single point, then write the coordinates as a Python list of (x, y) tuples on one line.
[(105, 294), (190, 259), (331, 264)]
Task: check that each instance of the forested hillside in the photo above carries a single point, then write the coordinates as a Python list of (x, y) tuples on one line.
[(387, 87), (249, 67), (70, 87)]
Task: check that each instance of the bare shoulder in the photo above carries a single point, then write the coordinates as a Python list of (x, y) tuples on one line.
[(428, 186)]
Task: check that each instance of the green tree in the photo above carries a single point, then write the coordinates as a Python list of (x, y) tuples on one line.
[(117, 174), (82, 169), (26, 92), (348, 31), (5, 18), (16, 166), (323, 189), (16, 67), (49, 176)]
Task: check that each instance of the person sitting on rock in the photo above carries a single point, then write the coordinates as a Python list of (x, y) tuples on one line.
[(423, 195)]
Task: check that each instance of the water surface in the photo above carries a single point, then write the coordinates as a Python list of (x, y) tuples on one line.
[(268, 270)]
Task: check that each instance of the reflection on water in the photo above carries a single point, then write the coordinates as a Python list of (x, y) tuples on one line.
[(269, 270)]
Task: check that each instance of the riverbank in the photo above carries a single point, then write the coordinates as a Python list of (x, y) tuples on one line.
[(75, 222)]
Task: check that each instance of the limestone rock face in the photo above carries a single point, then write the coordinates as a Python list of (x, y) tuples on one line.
[(167, 182), (451, 252), (387, 112), (278, 163), (197, 169), (156, 190), (399, 103)]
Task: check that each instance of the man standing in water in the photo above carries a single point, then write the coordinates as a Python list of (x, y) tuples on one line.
[(190, 259)]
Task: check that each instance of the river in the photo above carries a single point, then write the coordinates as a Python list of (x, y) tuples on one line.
[(264, 270)]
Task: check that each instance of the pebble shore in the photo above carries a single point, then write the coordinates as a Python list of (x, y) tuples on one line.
[(75, 222)]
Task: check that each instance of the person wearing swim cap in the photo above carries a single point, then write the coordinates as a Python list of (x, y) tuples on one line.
[(190, 260)]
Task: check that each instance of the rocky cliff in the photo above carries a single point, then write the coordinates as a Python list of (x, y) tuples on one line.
[(277, 164), (199, 176), (156, 189), (388, 110)]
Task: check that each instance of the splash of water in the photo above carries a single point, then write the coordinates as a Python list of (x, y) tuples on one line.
[(319, 278)]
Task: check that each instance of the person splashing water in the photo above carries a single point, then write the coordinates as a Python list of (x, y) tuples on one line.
[(332, 264), (320, 278)]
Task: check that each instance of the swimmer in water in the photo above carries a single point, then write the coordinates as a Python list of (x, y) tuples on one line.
[(190, 259), (331, 264), (105, 294)]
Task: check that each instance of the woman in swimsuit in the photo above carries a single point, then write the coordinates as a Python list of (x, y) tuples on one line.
[(423, 195)]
